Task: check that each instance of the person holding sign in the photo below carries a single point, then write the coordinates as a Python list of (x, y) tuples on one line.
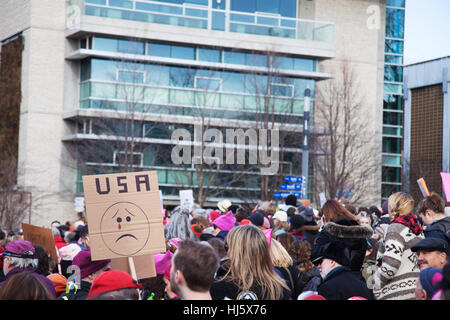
[(85, 272), (431, 211)]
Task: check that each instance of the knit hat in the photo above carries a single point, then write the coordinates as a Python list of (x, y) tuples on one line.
[(225, 222), (280, 215), (69, 252), (162, 261), (167, 272), (174, 242), (268, 234), (20, 249), (426, 280), (256, 218), (87, 266), (196, 229), (59, 281), (384, 207), (244, 222), (224, 205), (297, 221), (306, 212), (315, 297), (110, 281), (214, 215)]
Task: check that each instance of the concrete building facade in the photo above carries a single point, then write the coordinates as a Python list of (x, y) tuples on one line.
[(176, 63)]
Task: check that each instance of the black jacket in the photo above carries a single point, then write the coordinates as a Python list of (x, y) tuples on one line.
[(350, 235), (290, 275), (439, 229), (80, 293), (341, 284)]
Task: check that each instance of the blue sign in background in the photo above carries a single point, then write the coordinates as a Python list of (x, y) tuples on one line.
[(293, 179), (281, 195), (286, 186)]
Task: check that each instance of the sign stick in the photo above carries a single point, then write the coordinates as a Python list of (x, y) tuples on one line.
[(132, 268)]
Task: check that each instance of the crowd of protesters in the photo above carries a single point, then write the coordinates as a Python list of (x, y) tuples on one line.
[(287, 252)]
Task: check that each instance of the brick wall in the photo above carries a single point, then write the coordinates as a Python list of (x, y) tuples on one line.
[(426, 138)]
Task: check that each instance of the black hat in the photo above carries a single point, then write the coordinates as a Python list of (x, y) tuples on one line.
[(291, 200), (297, 221), (430, 244), (257, 218), (334, 249)]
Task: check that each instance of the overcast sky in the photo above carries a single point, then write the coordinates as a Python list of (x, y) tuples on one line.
[(427, 30)]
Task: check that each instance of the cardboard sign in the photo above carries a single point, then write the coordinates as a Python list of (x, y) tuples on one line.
[(446, 184), (42, 237), (423, 187), (187, 199), (123, 211), (144, 266)]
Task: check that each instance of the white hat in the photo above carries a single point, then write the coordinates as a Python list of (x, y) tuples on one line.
[(280, 215), (224, 205)]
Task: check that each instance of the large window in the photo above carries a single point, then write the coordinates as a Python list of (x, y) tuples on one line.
[(285, 8), (395, 23)]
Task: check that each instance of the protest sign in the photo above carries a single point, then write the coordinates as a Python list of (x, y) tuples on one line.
[(423, 187), (124, 214), (446, 184), (144, 266), (187, 199), (42, 237)]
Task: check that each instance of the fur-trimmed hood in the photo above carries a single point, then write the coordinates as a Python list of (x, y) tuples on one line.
[(348, 231)]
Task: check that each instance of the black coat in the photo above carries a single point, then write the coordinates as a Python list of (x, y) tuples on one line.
[(80, 293), (341, 284), (351, 236), (439, 229)]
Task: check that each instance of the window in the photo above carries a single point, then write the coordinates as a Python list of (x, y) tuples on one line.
[(393, 46), (395, 3), (393, 59), (391, 174), (391, 101), (105, 44), (281, 90), (393, 118), (388, 189), (234, 57), (122, 158), (395, 23), (210, 55), (207, 83), (128, 46), (392, 145), (121, 3), (182, 52), (130, 76), (393, 73), (159, 50), (182, 77)]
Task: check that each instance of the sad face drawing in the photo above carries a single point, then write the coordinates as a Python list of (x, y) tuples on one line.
[(125, 228)]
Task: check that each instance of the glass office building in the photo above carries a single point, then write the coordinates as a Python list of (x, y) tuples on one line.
[(392, 136)]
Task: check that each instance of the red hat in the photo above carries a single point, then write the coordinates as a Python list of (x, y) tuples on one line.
[(315, 297), (213, 215), (244, 222), (110, 281)]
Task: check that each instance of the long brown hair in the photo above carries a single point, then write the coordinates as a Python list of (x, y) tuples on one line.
[(25, 286), (251, 264), (301, 252), (333, 209)]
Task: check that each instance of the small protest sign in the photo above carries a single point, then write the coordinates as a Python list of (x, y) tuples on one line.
[(42, 237), (123, 211), (446, 184), (423, 187), (187, 199)]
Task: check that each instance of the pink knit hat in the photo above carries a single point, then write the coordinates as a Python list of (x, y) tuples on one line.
[(162, 261), (225, 222), (266, 223), (268, 234)]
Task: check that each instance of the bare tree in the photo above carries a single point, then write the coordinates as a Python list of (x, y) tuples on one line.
[(345, 161)]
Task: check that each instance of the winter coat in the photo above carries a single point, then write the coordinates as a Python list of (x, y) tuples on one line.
[(77, 293), (352, 234), (341, 284), (290, 275), (310, 281), (397, 269), (439, 229)]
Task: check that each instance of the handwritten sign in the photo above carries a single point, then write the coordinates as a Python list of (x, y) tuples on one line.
[(42, 237), (124, 214)]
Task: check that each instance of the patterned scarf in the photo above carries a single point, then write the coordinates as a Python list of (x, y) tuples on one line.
[(411, 221)]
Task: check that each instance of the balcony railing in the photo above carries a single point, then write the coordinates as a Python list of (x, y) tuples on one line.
[(202, 17)]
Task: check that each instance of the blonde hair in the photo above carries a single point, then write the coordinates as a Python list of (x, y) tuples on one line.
[(250, 263), (400, 204), (278, 225), (280, 256)]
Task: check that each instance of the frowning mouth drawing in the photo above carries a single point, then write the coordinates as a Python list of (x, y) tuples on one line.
[(126, 235)]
